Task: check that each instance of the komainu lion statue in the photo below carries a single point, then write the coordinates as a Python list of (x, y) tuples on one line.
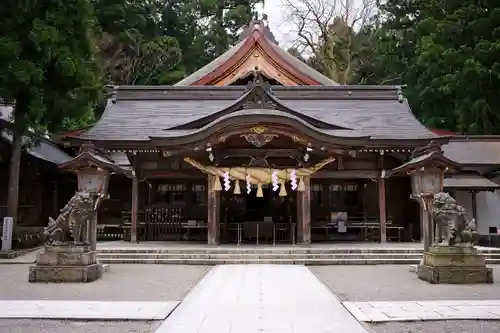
[(452, 225), (71, 223)]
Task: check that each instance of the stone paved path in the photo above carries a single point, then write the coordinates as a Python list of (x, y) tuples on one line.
[(260, 299), (86, 310), (424, 310)]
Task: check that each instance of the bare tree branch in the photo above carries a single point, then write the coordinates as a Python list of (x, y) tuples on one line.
[(327, 31)]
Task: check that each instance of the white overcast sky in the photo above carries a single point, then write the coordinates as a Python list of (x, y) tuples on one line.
[(277, 22)]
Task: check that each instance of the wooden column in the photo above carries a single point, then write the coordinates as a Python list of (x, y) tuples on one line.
[(55, 197), (474, 205), (213, 213), (135, 209), (382, 210), (305, 213)]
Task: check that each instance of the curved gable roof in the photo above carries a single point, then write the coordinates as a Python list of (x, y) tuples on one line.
[(257, 36), (260, 96)]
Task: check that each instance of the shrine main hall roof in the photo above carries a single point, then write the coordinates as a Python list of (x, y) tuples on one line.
[(140, 112)]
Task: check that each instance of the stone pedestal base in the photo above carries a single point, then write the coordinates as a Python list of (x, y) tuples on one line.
[(66, 263), (454, 265)]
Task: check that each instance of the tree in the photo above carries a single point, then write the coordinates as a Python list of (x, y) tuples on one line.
[(448, 55), (161, 41), (328, 33), (48, 69)]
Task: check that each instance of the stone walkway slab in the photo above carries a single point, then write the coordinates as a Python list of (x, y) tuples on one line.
[(67, 310), (424, 310), (260, 299)]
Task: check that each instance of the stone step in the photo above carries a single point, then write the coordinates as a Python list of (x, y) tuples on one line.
[(188, 261), (242, 250), (245, 256), (302, 261)]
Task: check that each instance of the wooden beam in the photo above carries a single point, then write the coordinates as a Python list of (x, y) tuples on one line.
[(366, 174), (256, 152)]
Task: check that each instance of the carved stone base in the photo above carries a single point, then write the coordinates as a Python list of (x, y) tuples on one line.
[(454, 265), (66, 263)]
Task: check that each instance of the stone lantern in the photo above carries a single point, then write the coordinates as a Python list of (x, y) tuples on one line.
[(426, 169), (70, 239), (443, 261)]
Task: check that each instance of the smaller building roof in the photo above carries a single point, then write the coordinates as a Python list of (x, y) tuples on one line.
[(469, 182), (44, 149), (474, 150)]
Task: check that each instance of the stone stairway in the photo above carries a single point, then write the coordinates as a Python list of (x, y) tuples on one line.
[(296, 255)]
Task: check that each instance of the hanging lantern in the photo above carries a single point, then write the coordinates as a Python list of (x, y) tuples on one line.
[(293, 179), (249, 185), (302, 185), (217, 184), (274, 178), (227, 181), (282, 190), (237, 189), (260, 194)]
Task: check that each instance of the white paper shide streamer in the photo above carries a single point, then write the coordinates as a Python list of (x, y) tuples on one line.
[(227, 181), (249, 185), (293, 179), (274, 177)]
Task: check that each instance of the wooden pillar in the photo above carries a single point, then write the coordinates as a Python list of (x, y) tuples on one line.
[(135, 209), (213, 213), (474, 205), (55, 196), (382, 210), (304, 218)]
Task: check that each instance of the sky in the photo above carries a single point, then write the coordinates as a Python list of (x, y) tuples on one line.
[(279, 26)]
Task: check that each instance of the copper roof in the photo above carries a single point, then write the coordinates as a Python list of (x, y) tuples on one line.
[(356, 111), (474, 150), (470, 182)]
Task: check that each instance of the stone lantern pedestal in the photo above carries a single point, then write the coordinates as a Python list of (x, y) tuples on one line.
[(71, 239), (66, 263), (454, 265)]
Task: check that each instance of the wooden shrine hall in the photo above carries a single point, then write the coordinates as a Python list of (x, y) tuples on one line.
[(257, 147)]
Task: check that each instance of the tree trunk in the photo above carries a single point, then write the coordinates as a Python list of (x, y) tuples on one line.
[(15, 168)]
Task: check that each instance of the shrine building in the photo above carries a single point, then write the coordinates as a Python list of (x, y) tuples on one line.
[(258, 148)]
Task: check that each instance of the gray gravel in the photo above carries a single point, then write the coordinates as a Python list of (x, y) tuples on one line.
[(451, 326), (121, 283), (59, 326), (397, 283)]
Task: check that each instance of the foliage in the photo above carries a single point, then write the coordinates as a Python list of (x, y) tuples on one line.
[(161, 41), (48, 70), (448, 54), (47, 61)]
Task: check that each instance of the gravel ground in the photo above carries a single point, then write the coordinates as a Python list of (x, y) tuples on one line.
[(451, 326), (397, 283), (121, 283), (59, 326)]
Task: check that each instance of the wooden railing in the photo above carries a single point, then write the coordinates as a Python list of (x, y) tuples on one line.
[(259, 232), (109, 232)]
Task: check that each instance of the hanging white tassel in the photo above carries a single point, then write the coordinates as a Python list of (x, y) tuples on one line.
[(293, 179), (237, 189), (249, 185), (274, 177), (227, 181)]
